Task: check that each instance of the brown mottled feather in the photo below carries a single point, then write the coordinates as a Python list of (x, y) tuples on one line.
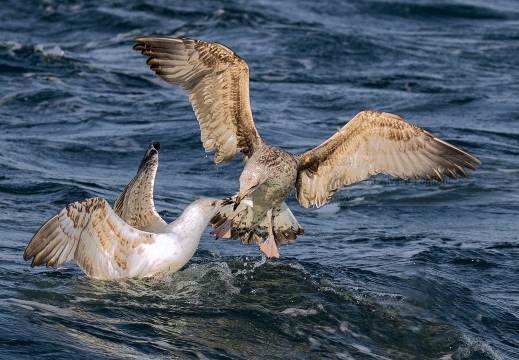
[(135, 204), (217, 82), (375, 142), (79, 232)]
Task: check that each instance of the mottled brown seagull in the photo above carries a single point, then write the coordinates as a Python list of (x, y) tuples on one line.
[(130, 240), (217, 82)]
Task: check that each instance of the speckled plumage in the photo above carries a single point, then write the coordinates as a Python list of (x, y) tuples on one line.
[(135, 204), (217, 82)]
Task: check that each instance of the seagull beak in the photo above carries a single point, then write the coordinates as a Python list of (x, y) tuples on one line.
[(238, 201)]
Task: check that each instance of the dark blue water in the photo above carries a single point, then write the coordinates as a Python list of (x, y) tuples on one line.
[(390, 270)]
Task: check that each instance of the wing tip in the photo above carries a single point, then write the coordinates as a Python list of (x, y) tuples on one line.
[(150, 40)]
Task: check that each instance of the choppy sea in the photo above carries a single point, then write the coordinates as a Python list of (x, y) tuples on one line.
[(391, 269)]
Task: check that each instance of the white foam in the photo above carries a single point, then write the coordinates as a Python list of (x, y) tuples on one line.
[(48, 309), (299, 312)]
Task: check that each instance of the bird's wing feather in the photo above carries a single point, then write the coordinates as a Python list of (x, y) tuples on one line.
[(90, 233), (371, 143), (135, 205), (217, 81)]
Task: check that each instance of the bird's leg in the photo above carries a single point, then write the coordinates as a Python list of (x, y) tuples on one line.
[(224, 230), (269, 247)]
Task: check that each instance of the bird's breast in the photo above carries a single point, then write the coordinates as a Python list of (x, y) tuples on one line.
[(279, 170)]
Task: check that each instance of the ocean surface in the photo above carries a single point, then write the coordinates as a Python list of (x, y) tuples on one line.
[(391, 269)]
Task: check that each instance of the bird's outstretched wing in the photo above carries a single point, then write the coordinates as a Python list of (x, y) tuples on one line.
[(371, 143), (135, 205), (90, 233), (217, 81)]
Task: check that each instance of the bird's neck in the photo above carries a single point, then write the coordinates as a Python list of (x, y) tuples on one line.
[(189, 223)]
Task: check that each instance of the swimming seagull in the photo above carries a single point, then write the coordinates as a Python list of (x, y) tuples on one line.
[(217, 82), (130, 240)]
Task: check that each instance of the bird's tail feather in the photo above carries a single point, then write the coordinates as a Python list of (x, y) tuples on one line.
[(245, 223)]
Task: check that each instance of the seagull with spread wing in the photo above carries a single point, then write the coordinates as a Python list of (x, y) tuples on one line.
[(217, 82), (126, 241)]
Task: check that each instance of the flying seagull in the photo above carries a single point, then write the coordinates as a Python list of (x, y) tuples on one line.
[(130, 240), (217, 82)]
